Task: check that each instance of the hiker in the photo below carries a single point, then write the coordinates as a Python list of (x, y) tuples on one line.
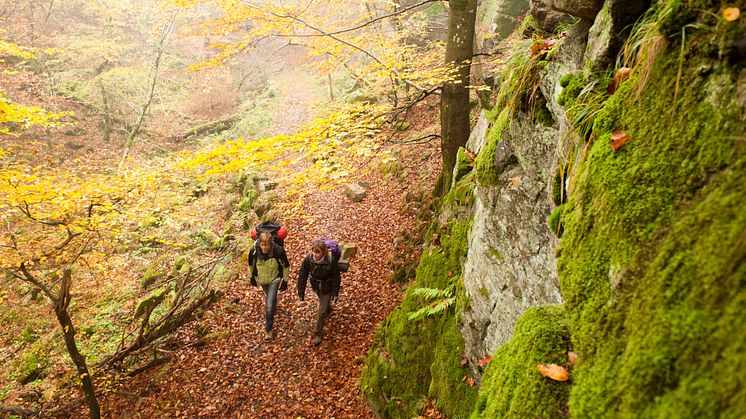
[(269, 268), (323, 270)]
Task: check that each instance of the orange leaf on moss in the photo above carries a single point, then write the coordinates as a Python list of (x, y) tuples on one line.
[(731, 13), (618, 138), (484, 361), (553, 371)]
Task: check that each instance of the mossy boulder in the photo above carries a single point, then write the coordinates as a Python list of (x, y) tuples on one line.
[(209, 240), (152, 274), (412, 360), (512, 386)]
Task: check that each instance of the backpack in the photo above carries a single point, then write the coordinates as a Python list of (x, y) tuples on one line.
[(336, 252), (279, 233)]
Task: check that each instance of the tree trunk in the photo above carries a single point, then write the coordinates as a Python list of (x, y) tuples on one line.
[(454, 102), (331, 86), (151, 91), (106, 123), (60, 310)]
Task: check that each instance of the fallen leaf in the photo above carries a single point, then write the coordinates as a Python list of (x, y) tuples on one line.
[(515, 182), (553, 371), (621, 75), (484, 361), (572, 357), (731, 13), (618, 138), (469, 381)]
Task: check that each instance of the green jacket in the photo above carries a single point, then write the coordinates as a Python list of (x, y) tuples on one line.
[(269, 267)]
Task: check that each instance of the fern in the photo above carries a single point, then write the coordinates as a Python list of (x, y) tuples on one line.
[(438, 301)]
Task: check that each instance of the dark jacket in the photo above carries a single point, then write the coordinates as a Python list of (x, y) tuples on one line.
[(324, 276)]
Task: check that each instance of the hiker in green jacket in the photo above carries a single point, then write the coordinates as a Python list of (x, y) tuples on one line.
[(271, 270)]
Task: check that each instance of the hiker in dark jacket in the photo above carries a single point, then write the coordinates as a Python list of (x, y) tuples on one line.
[(271, 271), (323, 272)]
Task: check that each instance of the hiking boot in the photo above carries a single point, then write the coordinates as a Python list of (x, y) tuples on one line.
[(268, 336), (316, 340)]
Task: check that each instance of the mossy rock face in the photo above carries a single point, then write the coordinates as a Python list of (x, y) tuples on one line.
[(413, 360), (512, 386), (651, 261), (248, 201), (555, 221), (487, 171)]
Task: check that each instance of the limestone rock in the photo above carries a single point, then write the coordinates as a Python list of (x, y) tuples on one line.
[(548, 18), (586, 9), (510, 266), (610, 30), (355, 192), (478, 134), (348, 250), (266, 185)]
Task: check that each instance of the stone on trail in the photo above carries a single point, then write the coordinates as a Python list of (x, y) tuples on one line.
[(355, 192)]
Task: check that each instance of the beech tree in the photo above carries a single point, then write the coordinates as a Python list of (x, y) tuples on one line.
[(454, 102)]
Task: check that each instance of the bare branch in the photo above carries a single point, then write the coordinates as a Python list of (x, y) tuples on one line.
[(354, 28), (28, 277), (353, 46)]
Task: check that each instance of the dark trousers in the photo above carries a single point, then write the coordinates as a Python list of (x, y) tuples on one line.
[(325, 302)]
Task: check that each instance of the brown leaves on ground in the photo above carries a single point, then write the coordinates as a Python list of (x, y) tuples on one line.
[(241, 376), (542, 46), (554, 372)]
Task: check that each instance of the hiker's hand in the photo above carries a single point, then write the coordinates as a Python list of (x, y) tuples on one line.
[(253, 281), (283, 285)]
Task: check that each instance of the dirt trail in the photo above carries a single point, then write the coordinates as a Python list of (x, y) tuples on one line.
[(242, 376), (297, 104), (239, 375)]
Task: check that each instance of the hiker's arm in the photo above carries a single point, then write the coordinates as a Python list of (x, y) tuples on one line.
[(302, 279), (285, 265), (336, 280)]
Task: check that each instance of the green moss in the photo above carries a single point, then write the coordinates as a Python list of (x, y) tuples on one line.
[(485, 169), (398, 372), (495, 253), (151, 275), (572, 85), (155, 298), (559, 194), (462, 194), (28, 334), (208, 239), (651, 265), (449, 385), (464, 164), (512, 386), (248, 201), (182, 265), (555, 221)]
